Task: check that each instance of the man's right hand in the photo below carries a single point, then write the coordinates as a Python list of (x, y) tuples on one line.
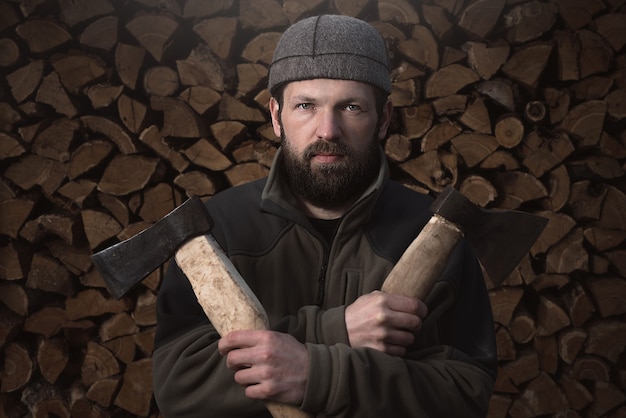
[(384, 322)]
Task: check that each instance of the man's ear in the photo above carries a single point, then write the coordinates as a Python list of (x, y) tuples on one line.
[(385, 120), (274, 111)]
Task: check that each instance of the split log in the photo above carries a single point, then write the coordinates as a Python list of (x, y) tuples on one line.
[(480, 17), (98, 364), (434, 169), (135, 394), (52, 358), (449, 80)]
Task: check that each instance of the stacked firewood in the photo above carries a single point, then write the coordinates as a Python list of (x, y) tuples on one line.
[(113, 112)]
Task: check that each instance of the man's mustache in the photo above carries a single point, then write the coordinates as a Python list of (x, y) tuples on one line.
[(325, 147)]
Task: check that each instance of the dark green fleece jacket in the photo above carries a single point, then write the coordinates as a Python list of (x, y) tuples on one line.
[(305, 283)]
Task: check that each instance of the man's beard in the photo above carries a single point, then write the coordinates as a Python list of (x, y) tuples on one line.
[(330, 185)]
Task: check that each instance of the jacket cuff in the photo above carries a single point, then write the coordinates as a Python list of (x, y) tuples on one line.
[(318, 384), (332, 327)]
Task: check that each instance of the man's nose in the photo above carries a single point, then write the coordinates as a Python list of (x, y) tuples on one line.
[(329, 125)]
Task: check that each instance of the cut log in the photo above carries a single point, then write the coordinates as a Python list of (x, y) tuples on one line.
[(568, 255), (609, 295), (126, 174), (24, 81), (52, 92), (504, 301), (516, 187), (529, 21), (544, 396), (449, 80), (52, 358), (42, 34), (480, 17), (196, 183), (579, 13), (200, 98), (397, 11), (205, 154), (245, 173), (524, 368), (101, 34), (14, 297), (132, 113), (78, 70), (486, 59), (595, 55), (218, 33), (479, 190), (398, 147), (500, 91), (55, 141), (522, 327), (606, 397), (161, 81), (260, 50), (153, 32), (551, 318), (102, 95), (103, 390), (558, 189), (179, 119), (111, 130), (433, 169), (87, 156), (98, 364), (505, 345), (550, 154), (509, 131), (612, 214), (590, 368), (558, 226), (416, 120), (232, 109), (547, 350), (577, 394), (437, 18), (606, 339), (421, 48), (201, 68), (92, 302), (14, 212), (135, 394), (32, 170), (99, 227), (528, 64), (47, 274), (128, 63), (439, 135), (474, 148), (158, 201), (17, 368), (151, 136), (476, 116)]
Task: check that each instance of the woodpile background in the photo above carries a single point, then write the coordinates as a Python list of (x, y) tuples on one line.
[(113, 112)]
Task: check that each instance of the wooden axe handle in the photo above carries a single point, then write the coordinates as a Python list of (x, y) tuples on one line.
[(424, 260), (225, 297)]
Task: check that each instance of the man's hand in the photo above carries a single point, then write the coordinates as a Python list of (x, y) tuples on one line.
[(384, 322), (271, 365)]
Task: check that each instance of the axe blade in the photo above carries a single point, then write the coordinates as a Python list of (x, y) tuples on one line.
[(500, 238), (125, 264)]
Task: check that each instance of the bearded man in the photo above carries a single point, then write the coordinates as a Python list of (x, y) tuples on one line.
[(315, 241)]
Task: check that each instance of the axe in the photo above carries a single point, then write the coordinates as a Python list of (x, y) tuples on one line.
[(500, 239), (185, 232), (223, 294)]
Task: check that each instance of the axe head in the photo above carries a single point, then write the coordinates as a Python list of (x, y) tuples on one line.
[(125, 264), (500, 238)]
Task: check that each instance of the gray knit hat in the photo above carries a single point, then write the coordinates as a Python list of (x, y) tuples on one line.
[(330, 46)]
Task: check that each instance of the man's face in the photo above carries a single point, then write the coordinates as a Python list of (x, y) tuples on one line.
[(330, 131)]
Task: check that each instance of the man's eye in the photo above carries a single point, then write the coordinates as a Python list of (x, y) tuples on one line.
[(304, 106), (353, 107)]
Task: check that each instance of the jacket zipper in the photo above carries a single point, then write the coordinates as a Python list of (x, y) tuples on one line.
[(322, 279)]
